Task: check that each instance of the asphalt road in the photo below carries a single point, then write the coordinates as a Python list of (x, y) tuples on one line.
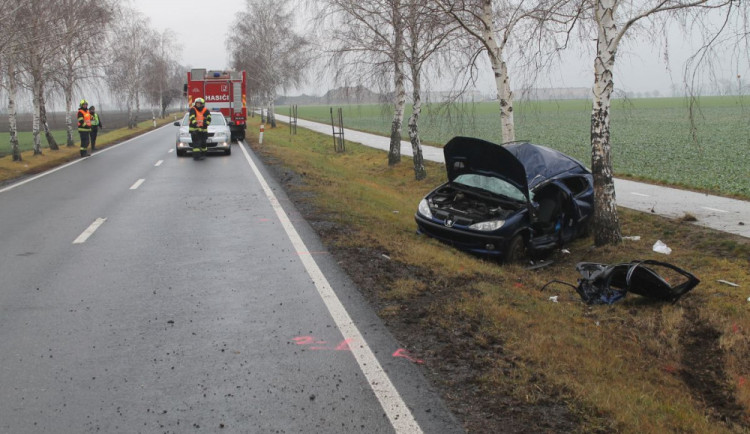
[(142, 292), (715, 212)]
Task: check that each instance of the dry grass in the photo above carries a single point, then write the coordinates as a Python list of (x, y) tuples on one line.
[(636, 366)]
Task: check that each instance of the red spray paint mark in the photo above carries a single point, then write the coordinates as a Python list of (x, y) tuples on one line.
[(735, 328), (518, 285), (303, 340), (405, 354), (742, 381), (344, 345), (318, 345)]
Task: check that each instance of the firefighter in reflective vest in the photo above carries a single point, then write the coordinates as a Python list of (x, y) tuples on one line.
[(200, 119), (84, 126), (96, 125)]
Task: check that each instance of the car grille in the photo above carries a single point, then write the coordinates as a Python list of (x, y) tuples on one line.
[(457, 237)]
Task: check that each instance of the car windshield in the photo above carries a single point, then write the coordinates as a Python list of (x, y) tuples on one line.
[(492, 184), (216, 119)]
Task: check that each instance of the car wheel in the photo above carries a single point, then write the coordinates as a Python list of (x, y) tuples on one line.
[(228, 151), (180, 153), (516, 250)]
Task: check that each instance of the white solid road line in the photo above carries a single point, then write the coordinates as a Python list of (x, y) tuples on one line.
[(137, 184), (89, 231), (639, 194), (158, 163), (390, 400)]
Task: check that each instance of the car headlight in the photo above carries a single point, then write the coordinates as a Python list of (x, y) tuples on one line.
[(424, 209), (488, 225), (184, 136)]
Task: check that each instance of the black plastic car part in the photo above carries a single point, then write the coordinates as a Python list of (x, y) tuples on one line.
[(606, 284)]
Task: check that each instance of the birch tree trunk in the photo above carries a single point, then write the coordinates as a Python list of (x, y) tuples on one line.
[(137, 108), (500, 69), (131, 119), (36, 119), (606, 224), (43, 120), (12, 118), (69, 115), (394, 152), (271, 112), (416, 145)]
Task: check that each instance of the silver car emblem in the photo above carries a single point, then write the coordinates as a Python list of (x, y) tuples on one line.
[(449, 223)]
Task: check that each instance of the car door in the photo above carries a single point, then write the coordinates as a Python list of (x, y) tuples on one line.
[(580, 193)]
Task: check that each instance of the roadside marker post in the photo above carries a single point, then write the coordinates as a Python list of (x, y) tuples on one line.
[(260, 139)]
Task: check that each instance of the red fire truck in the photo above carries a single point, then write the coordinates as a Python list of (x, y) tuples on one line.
[(223, 91)]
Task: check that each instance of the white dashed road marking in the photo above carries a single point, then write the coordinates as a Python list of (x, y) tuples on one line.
[(89, 231), (639, 194), (158, 163), (137, 184)]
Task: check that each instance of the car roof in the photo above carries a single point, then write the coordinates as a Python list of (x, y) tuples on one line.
[(543, 163), (523, 164)]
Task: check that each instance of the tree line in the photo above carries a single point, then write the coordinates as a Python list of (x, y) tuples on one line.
[(58, 47), (402, 45), (55, 47)]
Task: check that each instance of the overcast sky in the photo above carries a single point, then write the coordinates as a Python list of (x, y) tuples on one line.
[(639, 67), (191, 21)]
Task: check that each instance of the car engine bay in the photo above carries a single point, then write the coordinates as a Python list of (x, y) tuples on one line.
[(458, 203)]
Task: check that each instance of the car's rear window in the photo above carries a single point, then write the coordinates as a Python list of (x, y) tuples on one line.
[(218, 119), (490, 183)]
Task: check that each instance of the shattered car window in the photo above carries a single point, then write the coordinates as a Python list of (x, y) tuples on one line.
[(493, 185)]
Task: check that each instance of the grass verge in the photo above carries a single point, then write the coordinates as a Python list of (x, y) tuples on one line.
[(506, 357), (32, 164)]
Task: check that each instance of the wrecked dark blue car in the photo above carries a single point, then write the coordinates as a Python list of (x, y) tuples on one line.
[(507, 201)]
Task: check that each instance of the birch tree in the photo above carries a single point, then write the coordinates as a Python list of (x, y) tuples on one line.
[(427, 33), (80, 27), (368, 43), (614, 18), (8, 69), (162, 65), (37, 58), (491, 23), (266, 45), (130, 51), (12, 88)]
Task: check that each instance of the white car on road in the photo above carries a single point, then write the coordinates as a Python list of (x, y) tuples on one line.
[(219, 135)]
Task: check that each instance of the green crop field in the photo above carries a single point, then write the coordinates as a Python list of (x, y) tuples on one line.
[(651, 138), (26, 141)]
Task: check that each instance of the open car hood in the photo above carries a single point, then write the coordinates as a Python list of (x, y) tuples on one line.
[(469, 155), (523, 164)]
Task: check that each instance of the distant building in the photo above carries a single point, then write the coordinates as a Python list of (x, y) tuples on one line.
[(546, 93), (443, 96)]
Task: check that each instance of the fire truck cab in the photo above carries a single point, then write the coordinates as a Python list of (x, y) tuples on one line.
[(223, 91)]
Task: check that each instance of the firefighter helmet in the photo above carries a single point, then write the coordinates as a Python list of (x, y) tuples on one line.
[(199, 101), (83, 101)]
